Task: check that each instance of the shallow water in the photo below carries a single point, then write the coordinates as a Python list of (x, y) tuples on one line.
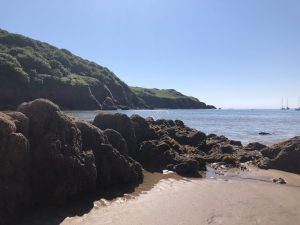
[(243, 125)]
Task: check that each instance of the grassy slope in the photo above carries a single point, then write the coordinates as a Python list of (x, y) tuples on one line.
[(167, 98), (161, 93)]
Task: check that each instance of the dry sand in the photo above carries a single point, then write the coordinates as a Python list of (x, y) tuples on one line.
[(239, 198)]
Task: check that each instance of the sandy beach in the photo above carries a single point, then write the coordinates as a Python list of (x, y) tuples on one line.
[(238, 198)]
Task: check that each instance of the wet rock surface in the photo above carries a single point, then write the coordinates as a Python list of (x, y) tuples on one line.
[(283, 156), (279, 181)]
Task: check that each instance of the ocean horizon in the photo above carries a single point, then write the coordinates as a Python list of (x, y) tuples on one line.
[(238, 124)]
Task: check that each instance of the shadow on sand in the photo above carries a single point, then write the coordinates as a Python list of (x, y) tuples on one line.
[(84, 203)]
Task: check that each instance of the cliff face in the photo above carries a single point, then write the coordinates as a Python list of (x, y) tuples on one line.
[(31, 69), (168, 99)]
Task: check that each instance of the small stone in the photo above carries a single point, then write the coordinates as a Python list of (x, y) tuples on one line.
[(279, 181)]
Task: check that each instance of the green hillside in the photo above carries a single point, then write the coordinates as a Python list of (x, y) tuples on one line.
[(31, 69), (168, 98)]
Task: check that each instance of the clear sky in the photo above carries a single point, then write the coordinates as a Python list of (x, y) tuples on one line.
[(229, 53)]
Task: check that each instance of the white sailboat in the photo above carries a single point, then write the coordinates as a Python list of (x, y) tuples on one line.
[(298, 108), (287, 104), (282, 108)]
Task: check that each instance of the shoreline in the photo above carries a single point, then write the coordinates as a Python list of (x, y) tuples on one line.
[(240, 197), (64, 164), (205, 201)]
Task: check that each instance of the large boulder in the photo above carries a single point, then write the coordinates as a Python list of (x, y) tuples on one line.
[(14, 167), (286, 156), (117, 141), (60, 167), (186, 136), (114, 168), (21, 121), (122, 124), (113, 164), (92, 136), (143, 131), (156, 154), (187, 167), (254, 146)]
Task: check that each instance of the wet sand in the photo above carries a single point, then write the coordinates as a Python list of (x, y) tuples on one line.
[(237, 198)]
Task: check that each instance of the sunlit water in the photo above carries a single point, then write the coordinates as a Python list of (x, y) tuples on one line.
[(243, 125)]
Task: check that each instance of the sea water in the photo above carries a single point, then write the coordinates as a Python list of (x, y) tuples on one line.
[(243, 125)]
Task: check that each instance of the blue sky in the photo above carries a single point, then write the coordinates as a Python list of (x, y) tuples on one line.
[(230, 53)]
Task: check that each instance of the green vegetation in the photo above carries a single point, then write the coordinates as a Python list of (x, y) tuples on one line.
[(161, 93), (77, 80), (168, 99), (32, 69), (37, 57), (11, 71), (44, 67)]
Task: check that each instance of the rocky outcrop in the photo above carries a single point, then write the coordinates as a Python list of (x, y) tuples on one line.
[(142, 130), (48, 157), (61, 167), (117, 141), (122, 124), (113, 164), (283, 156), (254, 146), (114, 168), (15, 161)]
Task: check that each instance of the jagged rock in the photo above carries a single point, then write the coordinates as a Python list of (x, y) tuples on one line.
[(21, 122), (254, 146), (192, 137), (179, 123), (200, 159), (117, 141), (110, 150), (159, 155), (236, 143), (213, 140), (270, 152), (287, 158), (211, 136), (187, 167), (246, 156), (122, 124), (279, 181), (14, 167), (227, 149), (114, 168), (142, 130), (92, 136), (60, 167), (156, 154)]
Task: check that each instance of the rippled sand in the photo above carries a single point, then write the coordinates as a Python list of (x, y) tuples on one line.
[(239, 198)]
